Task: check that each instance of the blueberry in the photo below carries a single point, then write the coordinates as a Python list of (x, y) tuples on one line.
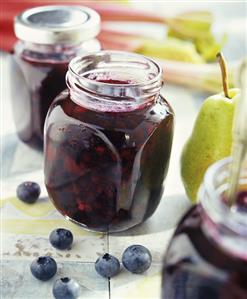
[(28, 192), (66, 288), (43, 268), (107, 265), (61, 238), (136, 259)]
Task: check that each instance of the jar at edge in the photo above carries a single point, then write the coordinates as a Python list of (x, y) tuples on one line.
[(206, 257), (108, 140), (49, 37)]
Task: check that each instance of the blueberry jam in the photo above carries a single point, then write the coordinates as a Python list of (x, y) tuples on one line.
[(48, 38), (241, 202), (197, 267), (36, 85), (105, 170)]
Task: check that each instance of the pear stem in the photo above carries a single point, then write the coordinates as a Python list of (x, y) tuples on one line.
[(224, 74)]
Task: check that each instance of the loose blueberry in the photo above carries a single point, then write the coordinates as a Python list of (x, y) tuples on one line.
[(28, 192), (43, 268), (66, 288), (136, 259), (61, 238), (107, 265)]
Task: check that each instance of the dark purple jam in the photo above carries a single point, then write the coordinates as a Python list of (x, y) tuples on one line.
[(35, 85), (241, 202), (105, 170), (197, 267)]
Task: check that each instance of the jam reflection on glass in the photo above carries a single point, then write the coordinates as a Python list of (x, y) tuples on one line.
[(105, 170), (196, 267)]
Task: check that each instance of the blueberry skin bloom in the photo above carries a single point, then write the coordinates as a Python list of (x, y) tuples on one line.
[(28, 192), (61, 238), (43, 268), (136, 259), (107, 265), (66, 288)]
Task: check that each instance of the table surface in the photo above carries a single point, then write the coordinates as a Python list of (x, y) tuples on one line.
[(25, 228)]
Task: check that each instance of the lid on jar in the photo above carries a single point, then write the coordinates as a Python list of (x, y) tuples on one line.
[(57, 24)]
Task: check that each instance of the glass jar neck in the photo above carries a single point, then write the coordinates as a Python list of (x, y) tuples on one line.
[(54, 52), (49, 48), (113, 81), (226, 225)]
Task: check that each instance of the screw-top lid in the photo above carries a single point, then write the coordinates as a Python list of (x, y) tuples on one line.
[(57, 24)]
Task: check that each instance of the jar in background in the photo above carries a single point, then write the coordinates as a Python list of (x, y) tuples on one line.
[(108, 140), (49, 37), (207, 256)]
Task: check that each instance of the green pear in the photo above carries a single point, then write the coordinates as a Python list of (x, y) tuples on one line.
[(211, 138)]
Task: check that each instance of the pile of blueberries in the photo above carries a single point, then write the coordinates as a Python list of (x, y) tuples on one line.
[(136, 258)]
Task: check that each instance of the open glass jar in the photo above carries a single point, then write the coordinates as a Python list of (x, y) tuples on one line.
[(108, 140), (49, 37), (207, 256)]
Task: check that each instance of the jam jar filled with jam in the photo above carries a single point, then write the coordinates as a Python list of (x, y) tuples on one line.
[(49, 37), (207, 256), (108, 140)]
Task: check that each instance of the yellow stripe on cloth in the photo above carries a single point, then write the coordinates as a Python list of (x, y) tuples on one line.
[(42, 227), (40, 208)]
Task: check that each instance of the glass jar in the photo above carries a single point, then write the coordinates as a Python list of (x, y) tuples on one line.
[(108, 141), (207, 256), (49, 37)]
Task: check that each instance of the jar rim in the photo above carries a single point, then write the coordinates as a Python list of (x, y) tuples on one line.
[(115, 78), (77, 60), (215, 206)]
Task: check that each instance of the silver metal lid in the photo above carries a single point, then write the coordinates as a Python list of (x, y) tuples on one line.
[(57, 24)]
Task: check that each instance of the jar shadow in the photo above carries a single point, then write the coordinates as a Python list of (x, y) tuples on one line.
[(166, 217)]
